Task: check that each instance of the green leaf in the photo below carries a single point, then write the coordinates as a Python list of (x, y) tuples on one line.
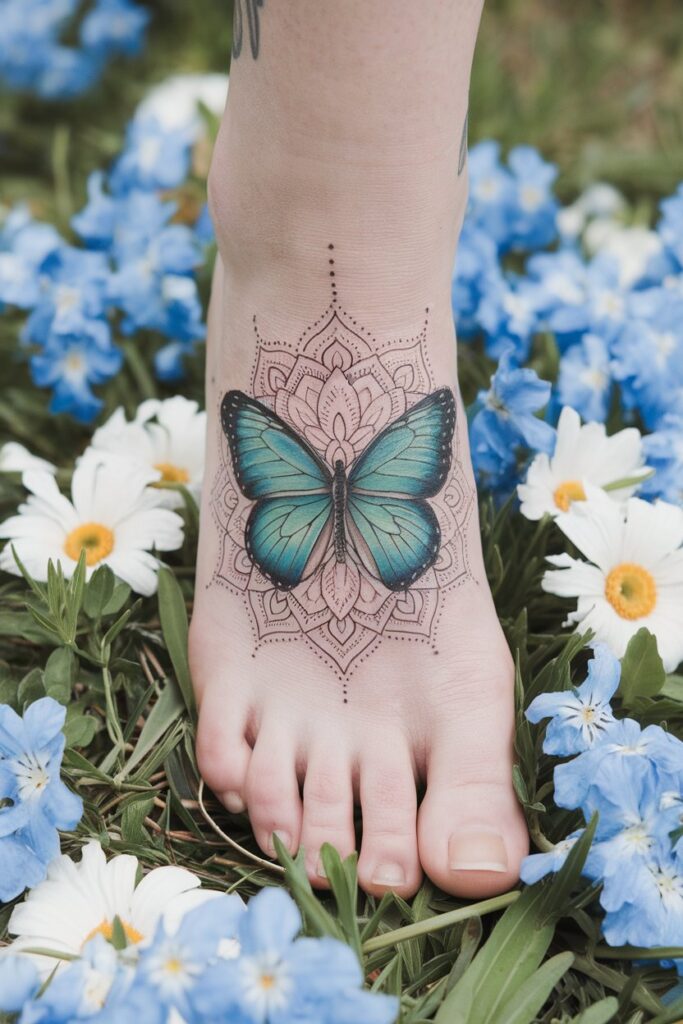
[(118, 939), (673, 687), (318, 920), (79, 730), (132, 819), (343, 880), (162, 716), (533, 993), (30, 688), (98, 592), (61, 670), (119, 597), (599, 1013), (173, 617), (642, 671)]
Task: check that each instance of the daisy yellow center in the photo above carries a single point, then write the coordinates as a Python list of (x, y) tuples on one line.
[(631, 591), (171, 474), (267, 981), (106, 929), (567, 492), (95, 539), (173, 965)]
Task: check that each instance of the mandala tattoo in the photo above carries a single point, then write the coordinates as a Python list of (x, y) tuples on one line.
[(341, 513), (246, 10)]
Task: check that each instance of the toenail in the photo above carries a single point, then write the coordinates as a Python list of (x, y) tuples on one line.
[(477, 849), (389, 874), (284, 838), (234, 802)]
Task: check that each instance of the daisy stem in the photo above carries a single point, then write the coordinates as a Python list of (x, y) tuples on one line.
[(440, 921), (112, 717), (137, 367)]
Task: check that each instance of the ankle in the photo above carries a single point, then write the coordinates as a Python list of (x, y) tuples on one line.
[(394, 229)]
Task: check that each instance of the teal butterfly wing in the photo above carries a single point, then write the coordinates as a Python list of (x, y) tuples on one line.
[(392, 527), (268, 457), (413, 454), (397, 539), (290, 484)]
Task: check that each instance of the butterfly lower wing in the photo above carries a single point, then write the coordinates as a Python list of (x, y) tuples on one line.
[(397, 539), (268, 457), (413, 454), (285, 534)]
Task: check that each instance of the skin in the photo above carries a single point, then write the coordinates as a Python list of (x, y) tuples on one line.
[(348, 126)]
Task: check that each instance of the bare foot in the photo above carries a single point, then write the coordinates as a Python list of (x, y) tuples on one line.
[(344, 643)]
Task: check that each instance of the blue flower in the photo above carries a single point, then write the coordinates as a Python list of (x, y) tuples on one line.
[(664, 452), (278, 978), (97, 221), (24, 245), (71, 364), (114, 26), (154, 157), (19, 982), (492, 192), (533, 222), (579, 716), (648, 353), (73, 297), (172, 964), (477, 275), (584, 381), (563, 279), (537, 865), (509, 316), (39, 803), (670, 226), (505, 419), (588, 779), (653, 913)]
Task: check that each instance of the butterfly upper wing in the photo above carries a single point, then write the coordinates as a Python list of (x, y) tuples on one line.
[(268, 457), (282, 534), (412, 455), (396, 538)]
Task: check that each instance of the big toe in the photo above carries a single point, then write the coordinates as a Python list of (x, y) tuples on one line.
[(472, 835)]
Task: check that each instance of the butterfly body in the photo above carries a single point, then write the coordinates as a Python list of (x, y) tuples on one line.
[(376, 508)]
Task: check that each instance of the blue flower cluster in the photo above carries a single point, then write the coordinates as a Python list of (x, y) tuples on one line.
[(34, 802), (135, 263), (268, 976), (633, 778), (34, 58), (616, 314)]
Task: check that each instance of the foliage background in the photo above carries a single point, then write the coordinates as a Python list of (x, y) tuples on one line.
[(596, 86)]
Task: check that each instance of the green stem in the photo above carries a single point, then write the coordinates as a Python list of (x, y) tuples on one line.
[(441, 921), (139, 369), (638, 953), (616, 981), (628, 481), (112, 717)]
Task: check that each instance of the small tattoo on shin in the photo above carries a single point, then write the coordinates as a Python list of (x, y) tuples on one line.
[(341, 512), (246, 10), (462, 156)]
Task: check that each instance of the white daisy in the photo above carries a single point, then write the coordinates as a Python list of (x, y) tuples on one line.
[(633, 576), (15, 458), (114, 516), (168, 437), (583, 455), (80, 900), (174, 103)]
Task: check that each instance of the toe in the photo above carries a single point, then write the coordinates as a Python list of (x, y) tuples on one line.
[(328, 807), (272, 788), (388, 857), (223, 753), (471, 831)]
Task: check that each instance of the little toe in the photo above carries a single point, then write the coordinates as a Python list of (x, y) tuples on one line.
[(328, 808), (472, 835), (389, 857), (223, 754), (272, 788)]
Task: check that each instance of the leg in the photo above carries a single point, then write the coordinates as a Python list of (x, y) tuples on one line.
[(371, 661)]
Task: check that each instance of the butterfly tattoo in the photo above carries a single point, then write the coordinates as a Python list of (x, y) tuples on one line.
[(376, 510)]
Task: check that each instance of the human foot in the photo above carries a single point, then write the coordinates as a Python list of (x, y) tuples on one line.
[(339, 690)]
